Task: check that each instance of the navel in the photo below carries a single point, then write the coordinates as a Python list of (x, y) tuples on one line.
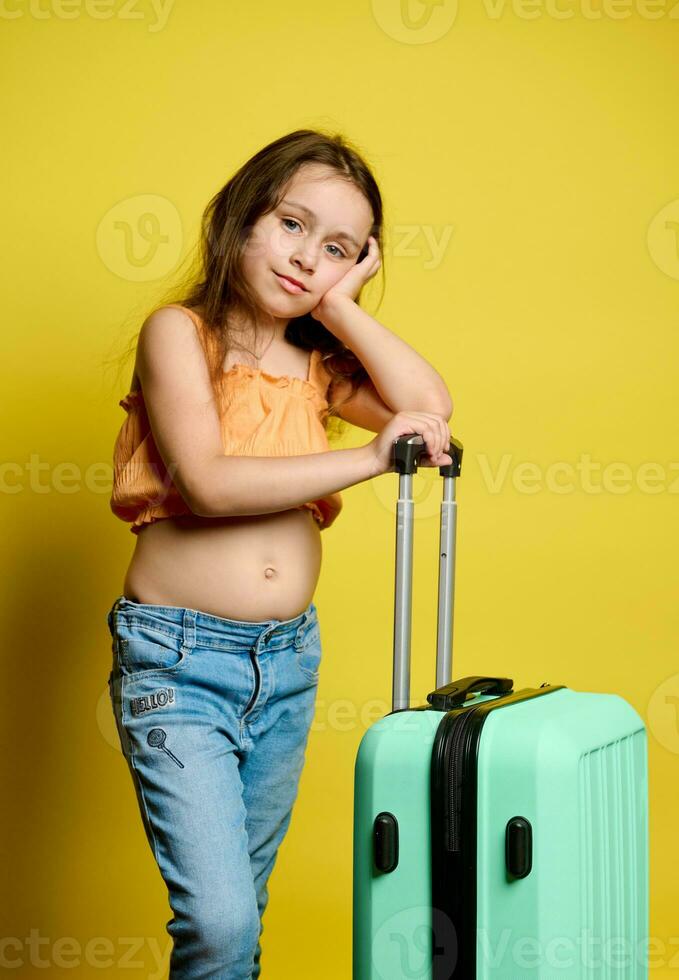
[(269, 572)]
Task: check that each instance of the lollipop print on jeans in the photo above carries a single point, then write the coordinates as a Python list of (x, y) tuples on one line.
[(156, 739)]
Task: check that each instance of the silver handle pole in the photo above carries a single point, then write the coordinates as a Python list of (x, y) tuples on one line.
[(447, 544), (403, 592)]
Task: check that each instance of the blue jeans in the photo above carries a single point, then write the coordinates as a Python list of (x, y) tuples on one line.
[(213, 717)]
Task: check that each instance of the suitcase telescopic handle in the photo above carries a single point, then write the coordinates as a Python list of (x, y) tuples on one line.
[(407, 450)]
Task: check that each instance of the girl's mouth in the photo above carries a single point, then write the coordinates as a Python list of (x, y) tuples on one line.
[(290, 286)]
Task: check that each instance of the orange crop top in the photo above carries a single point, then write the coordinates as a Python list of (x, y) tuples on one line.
[(263, 415)]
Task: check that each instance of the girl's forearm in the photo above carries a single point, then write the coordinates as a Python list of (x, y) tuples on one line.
[(240, 485)]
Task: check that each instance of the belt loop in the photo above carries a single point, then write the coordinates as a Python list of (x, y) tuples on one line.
[(299, 632), (112, 612), (189, 626)]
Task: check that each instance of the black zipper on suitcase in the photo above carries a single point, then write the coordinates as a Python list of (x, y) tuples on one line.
[(454, 832), (460, 729)]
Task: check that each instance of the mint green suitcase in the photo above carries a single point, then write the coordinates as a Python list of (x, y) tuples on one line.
[(497, 833)]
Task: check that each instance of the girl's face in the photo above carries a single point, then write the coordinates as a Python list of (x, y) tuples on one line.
[(315, 235)]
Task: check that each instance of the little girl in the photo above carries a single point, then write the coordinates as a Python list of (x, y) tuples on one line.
[(223, 468)]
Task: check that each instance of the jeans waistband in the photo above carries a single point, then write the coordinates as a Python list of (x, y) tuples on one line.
[(194, 625)]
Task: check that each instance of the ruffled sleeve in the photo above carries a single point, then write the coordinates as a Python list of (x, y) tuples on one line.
[(141, 483)]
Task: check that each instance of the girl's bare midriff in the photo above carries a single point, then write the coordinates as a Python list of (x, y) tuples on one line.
[(252, 568)]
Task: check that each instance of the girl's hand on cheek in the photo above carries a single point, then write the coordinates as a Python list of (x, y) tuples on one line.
[(351, 282)]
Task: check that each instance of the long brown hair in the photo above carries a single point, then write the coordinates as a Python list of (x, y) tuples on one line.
[(217, 286)]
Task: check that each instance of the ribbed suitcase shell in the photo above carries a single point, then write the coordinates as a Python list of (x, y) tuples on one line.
[(575, 765)]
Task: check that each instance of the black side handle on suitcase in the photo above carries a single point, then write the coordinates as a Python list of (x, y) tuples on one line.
[(407, 450)]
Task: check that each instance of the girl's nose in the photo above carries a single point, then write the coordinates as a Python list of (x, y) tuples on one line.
[(305, 258)]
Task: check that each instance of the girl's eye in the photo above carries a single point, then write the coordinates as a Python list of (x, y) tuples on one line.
[(339, 253)]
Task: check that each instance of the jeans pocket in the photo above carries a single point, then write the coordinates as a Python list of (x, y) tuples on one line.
[(309, 652), (143, 650)]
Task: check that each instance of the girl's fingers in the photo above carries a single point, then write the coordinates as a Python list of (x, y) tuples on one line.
[(443, 460), (441, 437), (436, 436)]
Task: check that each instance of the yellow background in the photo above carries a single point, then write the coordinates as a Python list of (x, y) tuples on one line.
[(542, 150)]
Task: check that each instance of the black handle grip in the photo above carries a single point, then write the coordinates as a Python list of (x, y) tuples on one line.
[(409, 449), (385, 841), (518, 847), (455, 693)]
